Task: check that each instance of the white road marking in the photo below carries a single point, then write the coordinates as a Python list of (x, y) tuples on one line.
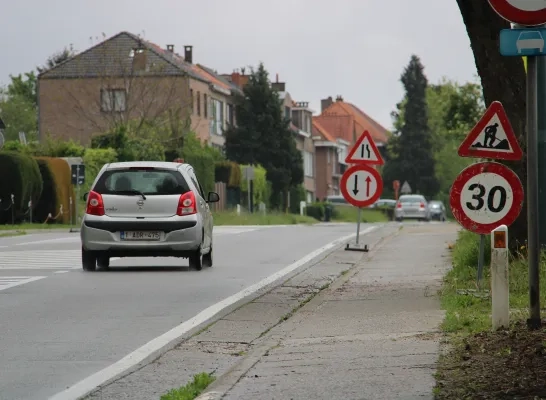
[(40, 259), (108, 374), (7, 282), (60, 272)]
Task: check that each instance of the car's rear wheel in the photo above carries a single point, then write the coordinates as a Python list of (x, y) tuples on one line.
[(89, 260), (207, 258), (195, 260), (103, 262)]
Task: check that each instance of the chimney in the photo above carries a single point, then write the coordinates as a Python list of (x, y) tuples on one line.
[(188, 54), (325, 103), (278, 86), (170, 47), (339, 98)]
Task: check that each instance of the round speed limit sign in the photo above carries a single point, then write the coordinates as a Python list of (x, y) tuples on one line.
[(486, 195)]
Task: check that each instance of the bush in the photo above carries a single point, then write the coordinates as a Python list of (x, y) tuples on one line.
[(261, 189), (94, 160), (57, 190), (316, 210), (228, 172), (21, 177)]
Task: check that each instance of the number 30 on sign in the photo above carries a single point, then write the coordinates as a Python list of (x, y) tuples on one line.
[(486, 195)]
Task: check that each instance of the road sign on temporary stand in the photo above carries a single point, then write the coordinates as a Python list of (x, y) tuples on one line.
[(364, 152), (524, 12), (486, 195), (361, 185), (492, 137)]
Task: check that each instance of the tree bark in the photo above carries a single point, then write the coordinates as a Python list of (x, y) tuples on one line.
[(503, 79)]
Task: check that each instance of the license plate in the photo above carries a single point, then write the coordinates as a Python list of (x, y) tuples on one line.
[(140, 235)]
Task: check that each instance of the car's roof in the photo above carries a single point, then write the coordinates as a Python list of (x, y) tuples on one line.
[(149, 164), (411, 195), (435, 201)]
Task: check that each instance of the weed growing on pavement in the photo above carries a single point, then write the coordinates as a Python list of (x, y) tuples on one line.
[(191, 390), (480, 363)]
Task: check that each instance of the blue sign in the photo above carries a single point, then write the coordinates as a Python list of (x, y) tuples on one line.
[(523, 42)]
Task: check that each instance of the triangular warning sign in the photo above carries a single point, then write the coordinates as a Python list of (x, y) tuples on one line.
[(492, 137), (364, 152)]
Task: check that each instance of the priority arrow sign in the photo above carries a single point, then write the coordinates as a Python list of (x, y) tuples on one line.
[(361, 185)]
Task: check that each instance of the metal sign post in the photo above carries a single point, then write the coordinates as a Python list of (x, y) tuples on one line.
[(523, 40)]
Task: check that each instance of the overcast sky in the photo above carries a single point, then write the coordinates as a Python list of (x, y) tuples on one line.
[(320, 48)]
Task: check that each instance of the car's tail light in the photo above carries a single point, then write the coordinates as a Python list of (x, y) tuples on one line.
[(398, 205), (186, 204), (422, 205), (95, 205)]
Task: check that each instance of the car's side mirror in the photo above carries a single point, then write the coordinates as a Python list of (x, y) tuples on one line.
[(84, 197), (213, 197)]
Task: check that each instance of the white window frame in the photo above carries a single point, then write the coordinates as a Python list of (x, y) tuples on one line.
[(342, 154), (217, 116), (308, 169)]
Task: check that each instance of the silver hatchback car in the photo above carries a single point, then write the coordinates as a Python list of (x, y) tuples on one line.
[(413, 206), (147, 209)]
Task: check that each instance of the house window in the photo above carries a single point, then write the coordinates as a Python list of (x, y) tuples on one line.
[(287, 112), (205, 106), (217, 114), (342, 154), (113, 100), (198, 103), (334, 164), (191, 99), (229, 116), (309, 197), (307, 163)]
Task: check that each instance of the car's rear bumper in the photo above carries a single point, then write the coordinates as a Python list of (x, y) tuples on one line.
[(410, 214), (176, 235)]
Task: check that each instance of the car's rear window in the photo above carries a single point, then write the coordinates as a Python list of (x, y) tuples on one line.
[(145, 180), (410, 199)]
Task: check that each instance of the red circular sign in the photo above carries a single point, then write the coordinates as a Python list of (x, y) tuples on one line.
[(361, 185), (523, 12), (486, 195)]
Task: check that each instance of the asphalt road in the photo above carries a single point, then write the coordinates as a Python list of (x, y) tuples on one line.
[(59, 324)]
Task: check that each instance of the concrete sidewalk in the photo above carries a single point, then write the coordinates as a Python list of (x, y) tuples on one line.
[(373, 334)]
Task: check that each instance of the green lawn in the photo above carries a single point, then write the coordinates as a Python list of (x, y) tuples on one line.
[(350, 214)]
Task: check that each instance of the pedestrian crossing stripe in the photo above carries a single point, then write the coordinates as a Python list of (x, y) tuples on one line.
[(43, 259), (8, 282)]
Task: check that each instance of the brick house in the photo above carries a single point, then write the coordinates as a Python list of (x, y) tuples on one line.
[(335, 130), (126, 78)]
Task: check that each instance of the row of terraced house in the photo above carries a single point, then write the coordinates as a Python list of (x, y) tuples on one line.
[(125, 78)]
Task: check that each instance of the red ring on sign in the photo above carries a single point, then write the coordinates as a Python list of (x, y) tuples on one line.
[(469, 172), (343, 185), (517, 16)]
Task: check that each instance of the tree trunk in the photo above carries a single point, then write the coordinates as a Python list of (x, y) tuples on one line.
[(503, 79)]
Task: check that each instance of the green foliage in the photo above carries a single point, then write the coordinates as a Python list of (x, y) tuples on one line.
[(228, 172), (202, 160), (263, 135), (94, 160), (192, 389), (20, 177), (297, 194), (316, 210), (19, 115), (24, 87), (51, 147), (261, 189), (410, 152)]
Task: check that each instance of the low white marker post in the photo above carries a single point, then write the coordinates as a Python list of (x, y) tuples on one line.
[(303, 204), (500, 290)]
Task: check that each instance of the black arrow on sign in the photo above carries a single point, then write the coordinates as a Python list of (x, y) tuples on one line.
[(368, 181), (355, 190), (367, 148)]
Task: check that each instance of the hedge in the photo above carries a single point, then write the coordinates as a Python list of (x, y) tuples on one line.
[(58, 190), (94, 160), (201, 159), (21, 177), (228, 172)]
